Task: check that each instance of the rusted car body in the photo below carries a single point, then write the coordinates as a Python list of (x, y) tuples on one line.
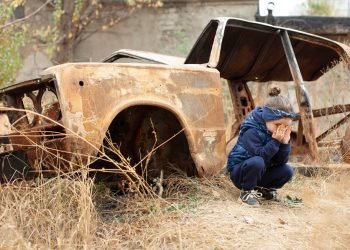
[(126, 100), (166, 103)]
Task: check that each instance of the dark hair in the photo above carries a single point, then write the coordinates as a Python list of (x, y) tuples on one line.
[(276, 101)]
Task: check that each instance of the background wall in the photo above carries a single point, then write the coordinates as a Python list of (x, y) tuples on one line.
[(171, 29)]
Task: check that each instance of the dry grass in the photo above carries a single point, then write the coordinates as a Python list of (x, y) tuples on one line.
[(54, 213), (195, 214)]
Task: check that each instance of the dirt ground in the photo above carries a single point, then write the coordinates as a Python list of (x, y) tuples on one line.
[(209, 216)]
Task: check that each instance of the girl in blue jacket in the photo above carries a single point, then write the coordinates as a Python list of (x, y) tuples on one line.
[(258, 162)]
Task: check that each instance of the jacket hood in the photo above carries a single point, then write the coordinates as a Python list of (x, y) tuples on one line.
[(258, 117), (254, 120)]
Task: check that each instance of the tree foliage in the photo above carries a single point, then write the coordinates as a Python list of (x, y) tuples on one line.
[(319, 8), (11, 40)]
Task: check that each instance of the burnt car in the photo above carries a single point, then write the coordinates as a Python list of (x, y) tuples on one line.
[(168, 107)]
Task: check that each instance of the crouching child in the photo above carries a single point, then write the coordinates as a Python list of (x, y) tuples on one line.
[(258, 162)]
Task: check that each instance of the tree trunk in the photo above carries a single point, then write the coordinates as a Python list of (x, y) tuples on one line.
[(65, 46)]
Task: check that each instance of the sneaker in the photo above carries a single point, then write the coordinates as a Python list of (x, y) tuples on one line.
[(250, 197), (268, 193)]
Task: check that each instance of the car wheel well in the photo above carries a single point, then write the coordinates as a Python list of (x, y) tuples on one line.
[(140, 130)]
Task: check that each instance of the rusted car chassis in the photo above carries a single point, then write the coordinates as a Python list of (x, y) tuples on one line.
[(168, 108)]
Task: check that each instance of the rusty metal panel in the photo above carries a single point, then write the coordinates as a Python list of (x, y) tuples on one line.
[(92, 94)]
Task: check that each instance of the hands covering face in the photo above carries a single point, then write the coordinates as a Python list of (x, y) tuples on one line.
[(282, 133)]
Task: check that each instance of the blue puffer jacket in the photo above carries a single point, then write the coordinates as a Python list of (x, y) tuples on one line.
[(255, 140)]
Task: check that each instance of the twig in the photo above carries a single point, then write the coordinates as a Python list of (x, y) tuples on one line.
[(25, 18), (159, 183)]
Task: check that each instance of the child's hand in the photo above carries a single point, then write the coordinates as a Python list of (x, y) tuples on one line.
[(286, 137), (279, 133)]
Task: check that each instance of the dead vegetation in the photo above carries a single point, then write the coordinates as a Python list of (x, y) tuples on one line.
[(194, 214)]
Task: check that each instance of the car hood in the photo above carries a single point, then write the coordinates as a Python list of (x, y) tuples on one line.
[(250, 51)]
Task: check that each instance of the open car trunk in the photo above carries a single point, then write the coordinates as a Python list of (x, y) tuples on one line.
[(250, 51)]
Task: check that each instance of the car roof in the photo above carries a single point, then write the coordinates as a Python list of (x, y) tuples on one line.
[(144, 55)]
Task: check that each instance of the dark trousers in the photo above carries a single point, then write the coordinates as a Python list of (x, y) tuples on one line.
[(253, 172)]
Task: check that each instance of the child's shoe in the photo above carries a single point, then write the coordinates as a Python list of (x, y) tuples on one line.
[(250, 197), (268, 193)]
